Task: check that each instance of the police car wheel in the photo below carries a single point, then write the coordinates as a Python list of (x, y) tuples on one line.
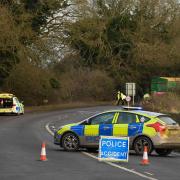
[(70, 142), (163, 152), (139, 144)]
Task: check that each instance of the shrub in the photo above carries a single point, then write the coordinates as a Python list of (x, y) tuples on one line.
[(83, 84), (31, 84)]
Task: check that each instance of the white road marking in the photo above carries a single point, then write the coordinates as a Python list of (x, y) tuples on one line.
[(149, 173), (131, 171), (49, 130), (121, 167), (109, 163)]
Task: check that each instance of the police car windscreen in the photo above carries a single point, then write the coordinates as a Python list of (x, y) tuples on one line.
[(6, 102)]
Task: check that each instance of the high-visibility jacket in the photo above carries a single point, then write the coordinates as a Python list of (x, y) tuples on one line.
[(119, 96), (123, 97)]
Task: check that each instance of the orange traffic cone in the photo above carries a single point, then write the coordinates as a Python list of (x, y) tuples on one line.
[(145, 160), (43, 152)]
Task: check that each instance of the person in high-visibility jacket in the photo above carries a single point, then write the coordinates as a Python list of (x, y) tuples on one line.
[(120, 98)]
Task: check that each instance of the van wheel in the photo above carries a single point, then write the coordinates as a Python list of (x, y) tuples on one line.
[(163, 152), (139, 144)]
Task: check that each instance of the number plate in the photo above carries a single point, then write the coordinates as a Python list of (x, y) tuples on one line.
[(172, 133)]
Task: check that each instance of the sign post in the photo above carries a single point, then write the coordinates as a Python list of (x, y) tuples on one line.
[(114, 148), (128, 99)]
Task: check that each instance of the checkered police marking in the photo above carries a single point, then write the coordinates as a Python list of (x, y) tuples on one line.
[(114, 148)]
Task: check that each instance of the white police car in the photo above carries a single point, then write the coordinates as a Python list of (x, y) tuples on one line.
[(10, 104)]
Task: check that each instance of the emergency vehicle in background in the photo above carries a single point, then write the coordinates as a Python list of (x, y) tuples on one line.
[(9, 103)]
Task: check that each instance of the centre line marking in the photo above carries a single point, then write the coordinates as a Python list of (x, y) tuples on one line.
[(109, 163)]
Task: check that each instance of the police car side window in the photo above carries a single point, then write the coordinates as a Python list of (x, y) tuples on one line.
[(105, 118), (143, 119), (126, 118)]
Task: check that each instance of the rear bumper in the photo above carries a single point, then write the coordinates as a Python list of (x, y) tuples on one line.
[(6, 110), (168, 146), (168, 143)]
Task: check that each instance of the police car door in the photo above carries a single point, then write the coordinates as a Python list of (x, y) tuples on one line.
[(127, 125), (100, 125)]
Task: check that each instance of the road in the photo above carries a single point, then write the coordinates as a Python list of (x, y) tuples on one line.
[(20, 146)]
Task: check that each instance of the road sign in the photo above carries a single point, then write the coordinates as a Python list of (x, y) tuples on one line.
[(130, 89), (114, 148), (128, 98)]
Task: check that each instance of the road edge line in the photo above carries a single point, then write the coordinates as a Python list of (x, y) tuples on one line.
[(48, 129), (120, 167)]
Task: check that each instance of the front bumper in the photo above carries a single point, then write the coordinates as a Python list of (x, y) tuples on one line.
[(57, 138)]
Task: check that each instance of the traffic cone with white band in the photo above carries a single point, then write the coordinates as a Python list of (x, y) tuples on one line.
[(43, 152), (145, 160)]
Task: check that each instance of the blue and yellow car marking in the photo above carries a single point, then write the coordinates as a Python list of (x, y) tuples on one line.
[(106, 129), (79, 130), (115, 118), (91, 130), (135, 128), (120, 130)]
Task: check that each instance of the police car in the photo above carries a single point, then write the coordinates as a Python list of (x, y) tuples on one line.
[(9, 103), (157, 131)]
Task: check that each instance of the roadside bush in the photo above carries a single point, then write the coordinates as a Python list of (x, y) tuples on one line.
[(168, 103), (34, 85), (83, 84)]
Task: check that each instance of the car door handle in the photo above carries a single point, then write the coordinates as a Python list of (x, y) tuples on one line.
[(132, 127), (106, 127)]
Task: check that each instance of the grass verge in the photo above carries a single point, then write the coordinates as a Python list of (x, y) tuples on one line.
[(63, 106)]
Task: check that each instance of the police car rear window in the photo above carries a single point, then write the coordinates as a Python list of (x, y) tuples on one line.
[(6, 103), (168, 120)]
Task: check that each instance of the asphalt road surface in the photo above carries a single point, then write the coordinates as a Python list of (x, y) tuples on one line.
[(20, 146)]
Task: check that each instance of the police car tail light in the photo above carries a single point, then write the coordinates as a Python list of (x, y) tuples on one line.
[(158, 127)]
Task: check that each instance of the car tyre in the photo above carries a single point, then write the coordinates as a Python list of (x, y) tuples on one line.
[(139, 144), (163, 152), (70, 142)]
